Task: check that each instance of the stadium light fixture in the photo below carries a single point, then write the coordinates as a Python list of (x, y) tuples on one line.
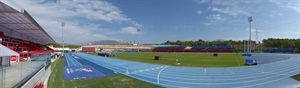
[(249, 43), (63, 42)]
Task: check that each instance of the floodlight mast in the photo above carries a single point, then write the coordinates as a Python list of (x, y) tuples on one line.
[(249, 43), (63, 42), (138, 30), (256, 43), (244, 45)]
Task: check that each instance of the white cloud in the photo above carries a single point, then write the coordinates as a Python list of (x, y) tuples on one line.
[(294, 6), (207, 24), (229, 7), (130, 30), (199, 12), (201, 1), (275, 14), (230, 10), (72, 12), (224, 9), (291, 4), (214, 19)]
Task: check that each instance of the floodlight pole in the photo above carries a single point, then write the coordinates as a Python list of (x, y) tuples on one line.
[(249, 46), (256, 47), (244, 46), (63, 42), (139, 30)]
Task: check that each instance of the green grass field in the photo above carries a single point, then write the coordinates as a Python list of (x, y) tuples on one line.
[(186, 59), (296, 77), (112, 81)]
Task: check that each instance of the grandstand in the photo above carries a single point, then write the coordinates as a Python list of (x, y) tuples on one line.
[(21, 33), (197, 48), (23, 41), (169, 49)]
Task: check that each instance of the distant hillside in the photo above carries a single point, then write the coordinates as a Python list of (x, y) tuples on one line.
[(105, 42)]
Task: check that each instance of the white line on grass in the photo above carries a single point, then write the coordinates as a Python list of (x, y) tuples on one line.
[(237, 61)]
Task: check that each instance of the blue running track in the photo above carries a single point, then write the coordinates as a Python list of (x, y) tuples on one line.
[(274, 72)]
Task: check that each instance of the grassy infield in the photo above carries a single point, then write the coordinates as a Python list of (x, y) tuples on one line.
[(122, 81), (186, 59)]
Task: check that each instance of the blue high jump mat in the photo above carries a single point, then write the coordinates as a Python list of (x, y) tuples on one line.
[(80, 72)]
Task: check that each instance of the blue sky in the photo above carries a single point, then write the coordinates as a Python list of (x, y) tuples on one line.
[(162, 20)]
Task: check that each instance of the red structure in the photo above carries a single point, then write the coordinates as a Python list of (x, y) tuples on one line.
[(88, 49)]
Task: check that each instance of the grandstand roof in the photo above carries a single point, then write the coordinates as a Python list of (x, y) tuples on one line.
[(21, 25)]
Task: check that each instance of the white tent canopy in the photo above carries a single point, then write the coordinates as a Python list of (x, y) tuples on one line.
[(4, 51)]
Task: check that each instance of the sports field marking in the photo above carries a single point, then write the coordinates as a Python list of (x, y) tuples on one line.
[(159, 73), (237, 61), (72, 59), (232, 82), (76, 61), (69, 60), (147, 69), (233, 75), (199, 79), (170, 75), (236, 78), (276, 73), (68, 64), (261, 83), (286, 68), (230, 71)]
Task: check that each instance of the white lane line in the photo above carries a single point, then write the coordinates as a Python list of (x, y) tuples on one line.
[(71, 60), (77, 61), (275, 73), (173, 86), (261, 83), (195, 77), (268, 69), (135, 71), (68, 64), (230, 71), (265, 65), (159, 73)]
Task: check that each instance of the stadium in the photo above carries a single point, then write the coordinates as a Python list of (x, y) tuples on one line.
[(31, 58)]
